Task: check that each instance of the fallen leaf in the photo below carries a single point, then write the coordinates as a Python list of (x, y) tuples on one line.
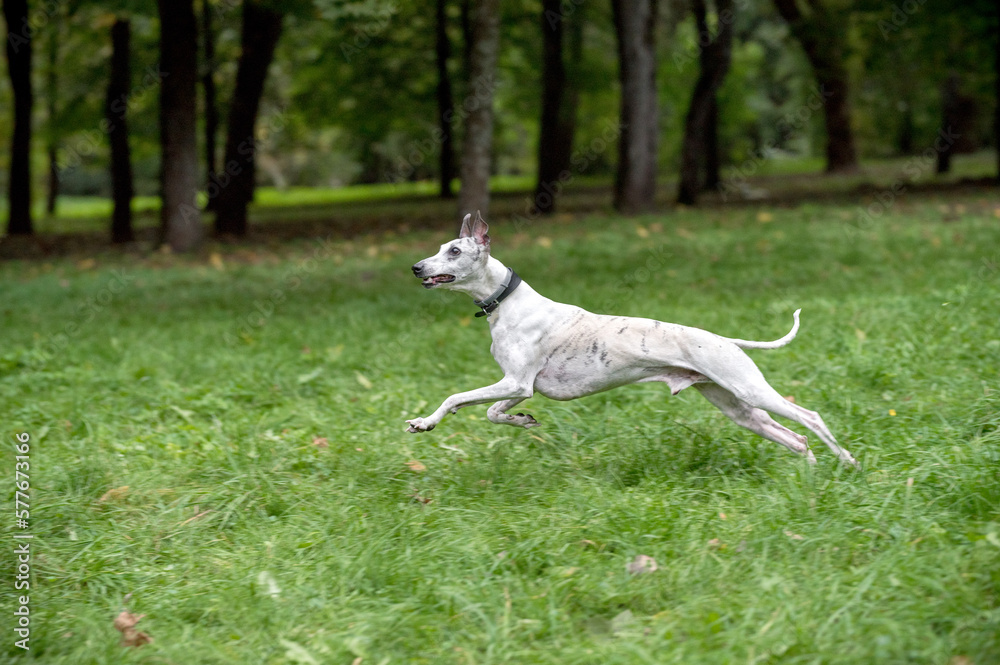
[(794, 536), (321, 442), (715, 543), (363, 380), (125, 624), (113, 494), (641, 565), (790, 398), (722, 516), (892, 412), (216, 260), (545, 242), (415, 466), (642, 231), (764, 217), (86, 264), (197, 516)]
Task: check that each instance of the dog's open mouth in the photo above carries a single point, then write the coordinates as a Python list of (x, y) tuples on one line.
[(430, 282)]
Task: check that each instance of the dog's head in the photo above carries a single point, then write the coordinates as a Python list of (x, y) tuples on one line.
[(460, 260)]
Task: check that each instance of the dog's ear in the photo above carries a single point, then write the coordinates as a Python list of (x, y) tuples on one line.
[(480, 230), (466, 231)]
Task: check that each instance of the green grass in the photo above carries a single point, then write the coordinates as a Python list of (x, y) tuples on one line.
[(203, 388), (776, 177)]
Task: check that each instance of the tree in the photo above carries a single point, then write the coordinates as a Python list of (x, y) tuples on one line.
[(996, 94), (559, 103), (446, 103), (180, 221), (115, 109), (208, 86), (19, 66), (259, 36), (635, 27), (478, 141), (55, 36), (702, 114), (819, 33)]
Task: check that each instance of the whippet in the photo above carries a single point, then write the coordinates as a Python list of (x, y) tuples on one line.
[(564, 352)]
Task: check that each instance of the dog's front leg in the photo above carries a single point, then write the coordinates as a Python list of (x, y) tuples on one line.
[(505, 389), (498, 414)]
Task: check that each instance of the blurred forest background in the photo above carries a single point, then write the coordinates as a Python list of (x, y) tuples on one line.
[(133, 99)]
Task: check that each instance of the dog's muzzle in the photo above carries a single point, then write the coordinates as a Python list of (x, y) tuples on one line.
[(432, 280)]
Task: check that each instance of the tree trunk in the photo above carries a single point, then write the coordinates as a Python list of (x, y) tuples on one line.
[(635, 182), (996, 99), (261, 30), (19, 65), (559, 101), (180, 220), (822, 42), (712, 157), (714, 63), (51, 108), (211, 107), (116, 106), (949, 104), (478, 142), (446, 104)]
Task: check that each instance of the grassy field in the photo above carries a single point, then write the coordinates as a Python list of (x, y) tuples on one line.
[(221, 437)]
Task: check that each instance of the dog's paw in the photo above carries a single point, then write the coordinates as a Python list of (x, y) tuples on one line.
[(418, 425), (525, 420)]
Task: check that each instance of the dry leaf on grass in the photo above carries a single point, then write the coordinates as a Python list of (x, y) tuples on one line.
[(794, 536), (114, 493), (321, 442), (641, 565), (415, 466), (125, 624)]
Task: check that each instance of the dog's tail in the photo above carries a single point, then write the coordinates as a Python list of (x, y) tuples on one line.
[(744, 344)]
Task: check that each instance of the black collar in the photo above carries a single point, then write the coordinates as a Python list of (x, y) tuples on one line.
[(491, 302)]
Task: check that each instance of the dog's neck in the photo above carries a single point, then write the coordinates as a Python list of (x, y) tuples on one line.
[(484, 283)]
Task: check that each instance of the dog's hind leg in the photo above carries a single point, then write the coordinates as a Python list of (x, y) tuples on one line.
[(755, 420), (498, 414)]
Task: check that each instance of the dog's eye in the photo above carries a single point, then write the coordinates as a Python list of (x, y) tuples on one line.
[(454, 251)]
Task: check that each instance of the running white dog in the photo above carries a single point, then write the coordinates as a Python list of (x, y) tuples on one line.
[(565, 352)]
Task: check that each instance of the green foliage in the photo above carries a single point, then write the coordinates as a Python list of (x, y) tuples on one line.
[(253, 405)]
